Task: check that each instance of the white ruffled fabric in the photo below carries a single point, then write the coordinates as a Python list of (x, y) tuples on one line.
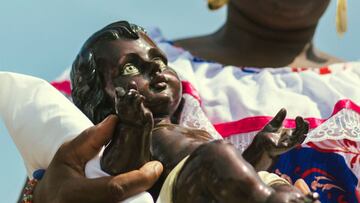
[(38, 118), (230, 93)]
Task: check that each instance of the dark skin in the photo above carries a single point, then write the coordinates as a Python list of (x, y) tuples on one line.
[(146, 93), (265, 33), (65, 174)]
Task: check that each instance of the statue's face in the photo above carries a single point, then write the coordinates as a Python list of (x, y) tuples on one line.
[(282, 14), (141, 62)]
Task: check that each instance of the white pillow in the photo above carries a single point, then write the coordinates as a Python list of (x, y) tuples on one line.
[(39, 119)]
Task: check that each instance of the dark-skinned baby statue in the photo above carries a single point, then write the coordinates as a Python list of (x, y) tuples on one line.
[(121, 71)]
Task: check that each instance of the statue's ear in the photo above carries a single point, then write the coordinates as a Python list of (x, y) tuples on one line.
[(175, 118)]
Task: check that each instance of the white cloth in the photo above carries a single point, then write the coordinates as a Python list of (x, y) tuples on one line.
[(271, 178), (230, 93), (166, 192), (39, 119)]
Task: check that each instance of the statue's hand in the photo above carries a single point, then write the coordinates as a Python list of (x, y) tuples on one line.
[(130, 107), (276, 140), (129, 148)]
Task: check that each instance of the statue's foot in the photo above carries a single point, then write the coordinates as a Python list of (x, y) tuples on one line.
[(289, 194)]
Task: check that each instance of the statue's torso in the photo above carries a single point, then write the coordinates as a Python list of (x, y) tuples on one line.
[(171, 143)]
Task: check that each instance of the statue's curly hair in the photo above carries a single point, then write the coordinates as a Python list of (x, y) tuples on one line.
[(88, 85)]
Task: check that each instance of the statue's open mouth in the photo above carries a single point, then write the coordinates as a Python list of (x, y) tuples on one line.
[(158, 83), (158, 87)]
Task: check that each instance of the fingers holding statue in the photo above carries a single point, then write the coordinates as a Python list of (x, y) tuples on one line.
[(64, 179)]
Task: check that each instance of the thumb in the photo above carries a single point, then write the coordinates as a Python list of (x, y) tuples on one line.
[(118, 188), (277, 121), (90, 141), (136, 181)]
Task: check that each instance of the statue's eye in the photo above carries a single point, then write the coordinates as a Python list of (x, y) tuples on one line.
[(160, 62), (130, 69)]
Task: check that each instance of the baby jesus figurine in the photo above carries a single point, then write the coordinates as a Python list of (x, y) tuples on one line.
[(120, 70)]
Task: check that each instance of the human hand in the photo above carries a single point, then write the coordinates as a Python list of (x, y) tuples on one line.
[(65, 181), (276, 140), (130, 107)]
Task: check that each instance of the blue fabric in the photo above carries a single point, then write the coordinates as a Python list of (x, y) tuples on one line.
[(325, 173)]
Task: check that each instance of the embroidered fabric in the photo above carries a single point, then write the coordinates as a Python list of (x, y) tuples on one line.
[(343, 125), (193, 116), (241, 141)]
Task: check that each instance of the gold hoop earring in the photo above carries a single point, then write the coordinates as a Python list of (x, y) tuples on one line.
[(341, 17), (216, 4)]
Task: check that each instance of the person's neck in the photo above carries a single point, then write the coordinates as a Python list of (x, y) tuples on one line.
[(271, 47)]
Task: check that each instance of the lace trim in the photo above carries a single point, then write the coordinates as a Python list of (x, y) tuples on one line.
[(241, 141), (343, 125), (193, 116)]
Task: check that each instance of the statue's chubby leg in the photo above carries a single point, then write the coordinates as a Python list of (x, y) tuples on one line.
[(216, 172)]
